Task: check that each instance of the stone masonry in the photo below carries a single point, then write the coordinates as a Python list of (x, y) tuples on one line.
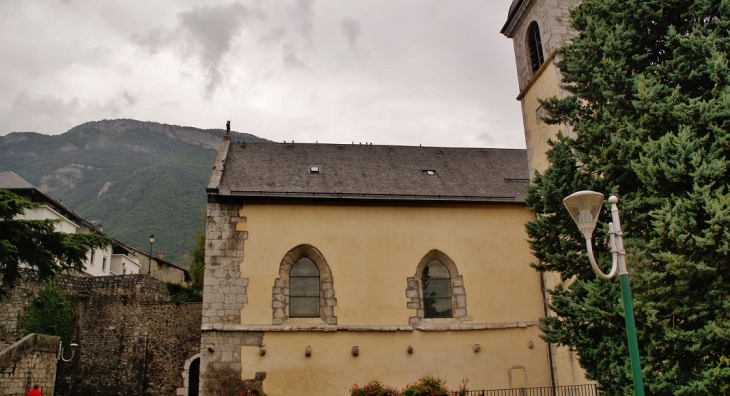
[(221, 360), (414, 291), (30, 361), (132, 339), (224, 290), (280, 291), (224, 296), (552, 17)]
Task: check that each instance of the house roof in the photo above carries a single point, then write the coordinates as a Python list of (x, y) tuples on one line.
[(368, 172), (10, 181)]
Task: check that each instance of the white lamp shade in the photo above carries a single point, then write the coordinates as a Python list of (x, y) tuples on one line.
[(584, 207)]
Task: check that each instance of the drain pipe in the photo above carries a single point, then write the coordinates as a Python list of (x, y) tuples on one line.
[(546, 311)]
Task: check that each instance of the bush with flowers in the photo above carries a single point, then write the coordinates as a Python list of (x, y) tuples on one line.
[(373, 388), (252, 392), (427, 385)]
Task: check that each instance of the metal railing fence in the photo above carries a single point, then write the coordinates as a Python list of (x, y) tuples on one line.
[(571, 390)]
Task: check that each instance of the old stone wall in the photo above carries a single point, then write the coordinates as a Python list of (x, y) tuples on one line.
[(13, 308), (132, 339), (29, 361), (221, 354), (224, 295)]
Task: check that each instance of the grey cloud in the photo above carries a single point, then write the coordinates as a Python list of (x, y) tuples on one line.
[(303, 14), (30, 113), (210, 31), (290, 58), (274, 34), (119, 103), (205, 34), (154, 40), (351, 29)]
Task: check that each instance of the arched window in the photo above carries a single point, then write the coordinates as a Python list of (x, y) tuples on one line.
[(304, 289), (436, 290), (534, 46)]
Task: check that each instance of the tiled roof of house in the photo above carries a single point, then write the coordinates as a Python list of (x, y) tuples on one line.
[(10, 181), (334, 171)]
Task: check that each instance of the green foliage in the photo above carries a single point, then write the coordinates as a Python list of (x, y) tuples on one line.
[(51, 313), (427, 385), (35, 244), (373, 388), (197, 267), (651, 116), (183, 293), (136, 178)]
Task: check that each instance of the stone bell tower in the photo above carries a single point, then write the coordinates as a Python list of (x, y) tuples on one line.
[(538, 29)]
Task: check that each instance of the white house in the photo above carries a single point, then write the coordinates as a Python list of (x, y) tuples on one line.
[(116, 259)]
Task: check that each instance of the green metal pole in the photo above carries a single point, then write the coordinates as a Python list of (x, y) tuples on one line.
[(631, 335)]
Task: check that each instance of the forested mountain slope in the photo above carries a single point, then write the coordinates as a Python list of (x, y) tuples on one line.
[(135, 178)]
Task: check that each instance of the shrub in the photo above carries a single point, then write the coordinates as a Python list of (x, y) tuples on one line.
[(51, 312), (183, 293), (427, 385), (373, 388)]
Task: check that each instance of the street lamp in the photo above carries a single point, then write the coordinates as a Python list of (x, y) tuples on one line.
[(149, 260), (60, 351), (584, 207)]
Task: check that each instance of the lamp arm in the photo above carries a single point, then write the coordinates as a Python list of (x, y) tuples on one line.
[(589, 251)]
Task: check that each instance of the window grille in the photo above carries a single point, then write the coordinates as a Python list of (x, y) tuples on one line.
[(304, 289), (436, 290), (534, 45)]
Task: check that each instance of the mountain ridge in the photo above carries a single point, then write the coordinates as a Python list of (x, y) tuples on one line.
[(135, 177)]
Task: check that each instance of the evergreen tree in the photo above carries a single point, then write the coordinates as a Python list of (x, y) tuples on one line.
[(35, 244), (197, 267), (651, 116)]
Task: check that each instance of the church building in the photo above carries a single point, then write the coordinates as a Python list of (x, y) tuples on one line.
[(328, 265)]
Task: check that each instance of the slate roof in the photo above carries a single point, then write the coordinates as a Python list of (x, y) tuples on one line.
[(10, 181), (368, 172)]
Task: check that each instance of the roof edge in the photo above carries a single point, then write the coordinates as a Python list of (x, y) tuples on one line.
[(517, 11)]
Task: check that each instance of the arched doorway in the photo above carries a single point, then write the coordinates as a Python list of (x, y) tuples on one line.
[(191, 377), (194, 377)]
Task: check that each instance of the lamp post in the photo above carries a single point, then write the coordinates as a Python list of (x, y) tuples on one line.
[(584, 207), (149, 260), (60, 351)]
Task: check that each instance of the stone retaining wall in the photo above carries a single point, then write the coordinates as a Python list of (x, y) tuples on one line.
[(27, 362), (132, 339)]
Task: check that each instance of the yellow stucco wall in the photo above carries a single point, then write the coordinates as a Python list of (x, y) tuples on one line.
[(331, 369), (537, 132), (371, 251)]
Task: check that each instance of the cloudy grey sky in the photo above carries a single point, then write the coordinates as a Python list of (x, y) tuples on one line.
[(409, 72)]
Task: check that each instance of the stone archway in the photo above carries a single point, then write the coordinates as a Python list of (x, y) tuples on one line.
[(414, 289), (280, 291), (191, 377)]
